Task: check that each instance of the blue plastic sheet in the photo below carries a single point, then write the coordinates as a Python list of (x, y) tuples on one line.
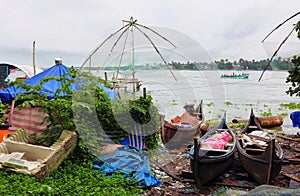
[(131, 162), (295, 117), (50, 87)]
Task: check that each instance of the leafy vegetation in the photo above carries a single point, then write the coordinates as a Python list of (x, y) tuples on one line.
[(73, 111), (237, 125), (4, 108), (268, 113), (294, 72), (294, 77), (71, 178), (228, 103), (291, 105), (210, 104), (284, 114)]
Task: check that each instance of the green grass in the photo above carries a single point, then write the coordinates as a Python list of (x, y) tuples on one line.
[(69, 179)]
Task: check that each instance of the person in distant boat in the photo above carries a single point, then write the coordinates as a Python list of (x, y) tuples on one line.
[(58, 61)]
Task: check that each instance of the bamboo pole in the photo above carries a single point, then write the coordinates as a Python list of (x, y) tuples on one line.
[(280, 26), (275, 53), (33, 58)]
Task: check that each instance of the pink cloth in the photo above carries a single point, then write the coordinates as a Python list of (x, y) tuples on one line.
[(217, 141)]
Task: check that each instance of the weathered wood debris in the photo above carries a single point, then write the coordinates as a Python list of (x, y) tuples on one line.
[(173, 168)]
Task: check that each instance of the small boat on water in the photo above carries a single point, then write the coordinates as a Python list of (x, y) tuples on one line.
[(181, 130), (258, 152), (212, 153), (236, 76)]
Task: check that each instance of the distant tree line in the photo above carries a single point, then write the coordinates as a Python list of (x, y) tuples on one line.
[(241, 64), (223, 64)]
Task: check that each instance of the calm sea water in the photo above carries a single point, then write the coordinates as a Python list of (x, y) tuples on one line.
[(172, 90), (235, 96)]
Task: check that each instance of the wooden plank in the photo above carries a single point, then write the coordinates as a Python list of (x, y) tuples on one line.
[(234, 185), (291, 161), (165, 169), (187, 174), (291, 176), (259, 138), (288, 138), (215, 150), (296, 149), (223, 129), (255, 149)]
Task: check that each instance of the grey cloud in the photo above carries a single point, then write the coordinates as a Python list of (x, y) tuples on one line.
[(76, 27)]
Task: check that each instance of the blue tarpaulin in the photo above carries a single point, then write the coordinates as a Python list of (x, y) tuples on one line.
[(295, 117), (50, 87), (131, 162)]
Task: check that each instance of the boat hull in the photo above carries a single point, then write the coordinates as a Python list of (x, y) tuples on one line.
[(208, 164), (262, 165), (179, 137), (208, 169), (258, 168)]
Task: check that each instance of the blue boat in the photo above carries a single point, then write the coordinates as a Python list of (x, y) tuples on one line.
[(236, 76)]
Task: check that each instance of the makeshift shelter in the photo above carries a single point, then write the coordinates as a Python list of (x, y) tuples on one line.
[(31, 118), (50, 87), (6, 69)]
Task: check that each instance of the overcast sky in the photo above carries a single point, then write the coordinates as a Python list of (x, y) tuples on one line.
[(227, 29)]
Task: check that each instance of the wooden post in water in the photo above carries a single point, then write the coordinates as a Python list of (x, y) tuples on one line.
[(105, 76), (144, 93), (133, 83)]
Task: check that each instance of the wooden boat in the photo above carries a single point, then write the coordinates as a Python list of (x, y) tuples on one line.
[(209, 161), (178, 134), (264, 121), (263, 164), (236, 76)]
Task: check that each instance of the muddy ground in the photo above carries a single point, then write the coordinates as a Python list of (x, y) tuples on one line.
[(172, 167)]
